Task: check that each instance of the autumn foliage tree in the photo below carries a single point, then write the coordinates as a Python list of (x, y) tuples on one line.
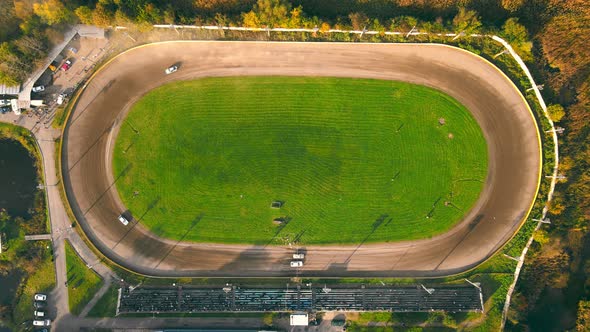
[(52, 12), (565, 39), (583, 320), (268, 13)]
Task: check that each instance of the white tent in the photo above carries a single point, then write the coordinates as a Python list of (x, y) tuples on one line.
[(299, 320)]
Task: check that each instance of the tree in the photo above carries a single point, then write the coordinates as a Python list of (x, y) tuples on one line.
[(517, 35), (169, 15), (221, 20), (269, 13), (101, 16), (9, 26), (268, 319), (556, 112), (32, 48), (149, 14), (13, 69), (23, 9), (541, 236), (583, 320), (514, 32), (466, 21), (250, 20), (564, 40), (358, 20), (296, 18), (512, 5), (52, 12), (222, 6), (84, 14), (556, 205)]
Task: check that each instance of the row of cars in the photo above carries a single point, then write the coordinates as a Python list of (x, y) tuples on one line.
[(297, 259), (40, 314), (64, 66)]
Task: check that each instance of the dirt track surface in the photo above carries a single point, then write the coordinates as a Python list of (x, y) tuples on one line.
[(498, 107)]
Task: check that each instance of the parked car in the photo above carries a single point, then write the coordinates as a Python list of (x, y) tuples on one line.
[(298, 256), (171, 70), (60, 99), (39, 305), (5, 109), (296, 263), (73, 50), (40, 322), (39, 313), (66, 65), (40, 297), (123, 220), (39, 88)]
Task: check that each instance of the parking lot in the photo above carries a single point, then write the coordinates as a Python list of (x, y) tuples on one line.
[(82, 53), (301, 298)]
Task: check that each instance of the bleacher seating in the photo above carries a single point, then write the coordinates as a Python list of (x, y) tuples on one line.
[(357, 298)]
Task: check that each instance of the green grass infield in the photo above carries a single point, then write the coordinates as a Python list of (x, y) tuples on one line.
[(350, 160)]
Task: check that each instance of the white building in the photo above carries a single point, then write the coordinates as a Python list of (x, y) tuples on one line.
[(299, 319)]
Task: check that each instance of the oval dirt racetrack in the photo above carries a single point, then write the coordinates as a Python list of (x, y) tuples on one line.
[(500, 110)]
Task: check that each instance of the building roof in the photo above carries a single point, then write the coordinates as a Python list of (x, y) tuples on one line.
[(9, 90), (299, 320), (90, 31)]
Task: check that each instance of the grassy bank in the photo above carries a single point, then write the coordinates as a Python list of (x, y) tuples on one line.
[(107, 305), (83, 282)]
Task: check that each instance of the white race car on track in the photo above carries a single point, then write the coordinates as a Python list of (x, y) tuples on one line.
[(171, 70)]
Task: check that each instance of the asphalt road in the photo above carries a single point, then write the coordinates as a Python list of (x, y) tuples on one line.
[(508, 126)]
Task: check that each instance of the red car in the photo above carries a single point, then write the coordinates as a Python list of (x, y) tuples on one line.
[(66, 65)]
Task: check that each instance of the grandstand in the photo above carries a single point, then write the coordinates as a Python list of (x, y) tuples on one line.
[(300, 298)]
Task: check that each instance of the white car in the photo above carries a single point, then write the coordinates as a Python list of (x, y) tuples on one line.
[(39, 322), (123, 220), (40, 297), (39, 313), (60, 99), (298, 256), (296, 263), (171, 70), (39, 88)]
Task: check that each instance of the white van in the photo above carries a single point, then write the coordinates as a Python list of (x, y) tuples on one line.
[(39, 313), (123, 220), (45, 322)]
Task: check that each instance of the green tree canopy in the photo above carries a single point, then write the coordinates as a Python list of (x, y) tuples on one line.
[(466, 21), (514, 32)]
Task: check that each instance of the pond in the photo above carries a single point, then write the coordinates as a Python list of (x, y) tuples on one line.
[(18, 179), (9, 284)]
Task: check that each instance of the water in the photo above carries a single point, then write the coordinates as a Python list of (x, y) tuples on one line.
[(18, 182), (9, 284), (18, 179)]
